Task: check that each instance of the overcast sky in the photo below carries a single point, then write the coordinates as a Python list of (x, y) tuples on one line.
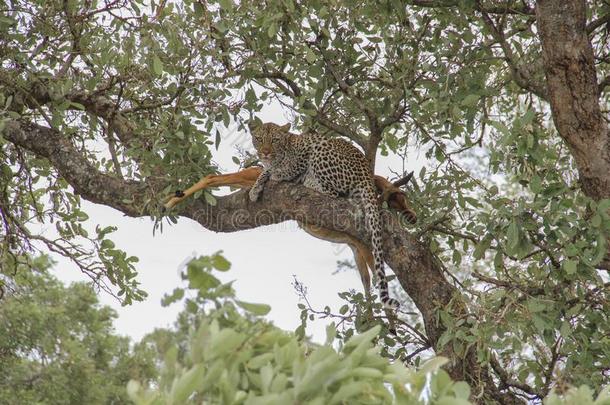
[(263, 260)]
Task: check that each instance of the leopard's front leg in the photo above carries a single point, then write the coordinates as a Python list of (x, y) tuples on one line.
[(288, 170), (259, 184)]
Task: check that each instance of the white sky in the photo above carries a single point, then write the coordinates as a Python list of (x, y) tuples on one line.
[(263, 260)]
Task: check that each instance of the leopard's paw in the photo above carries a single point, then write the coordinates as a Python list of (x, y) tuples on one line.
[(254, 194)]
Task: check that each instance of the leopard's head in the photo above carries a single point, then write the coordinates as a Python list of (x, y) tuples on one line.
[(270, 140)]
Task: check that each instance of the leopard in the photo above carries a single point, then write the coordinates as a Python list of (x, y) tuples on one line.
[(331, 166)]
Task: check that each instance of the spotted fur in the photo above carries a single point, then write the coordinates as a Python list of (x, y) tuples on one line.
[(329, 165)]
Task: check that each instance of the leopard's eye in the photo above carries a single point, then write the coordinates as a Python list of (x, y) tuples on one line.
[(278, 137)]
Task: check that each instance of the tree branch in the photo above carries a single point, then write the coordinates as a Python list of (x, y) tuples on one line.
[(292, 90), (36, 93), (508, 382), (520, 74), (508, 8), (573, 91), (348, 91), (84, 177), (593, 25), (411, 260)]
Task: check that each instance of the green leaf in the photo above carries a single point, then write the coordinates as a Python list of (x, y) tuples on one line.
[(188, 382), (256, 309), (78, 106), (347, 391), (461, 390), (446, 400), (220, 263), (503, 129), (603, 206), (209, 198), (367, 336), (596, 220), (198, 9), (481, 248), (536, 184), (272, 30), (217, 139), (535, 305), (470, 100), (539, 322), (203, 281), (512, 235), (570, 266), (310, 56), (251, 95), (107, 244), (225, 341), (331, 333), (600, 250), (133, 389), (175, 296), (433, 364), (226, 5), (157, 65)]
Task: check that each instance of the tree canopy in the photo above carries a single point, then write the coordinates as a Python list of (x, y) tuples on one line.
[(58, 346), (121, 102)]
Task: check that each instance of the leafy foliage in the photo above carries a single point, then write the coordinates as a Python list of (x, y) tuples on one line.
[(229, 354), (146, 93), (582, 395), (226, 352), (57, 344)]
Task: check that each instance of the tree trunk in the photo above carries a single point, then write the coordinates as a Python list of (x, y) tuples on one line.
[(573, 91)]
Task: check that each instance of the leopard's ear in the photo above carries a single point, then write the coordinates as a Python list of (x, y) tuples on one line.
[(285, 127), (254, 123)]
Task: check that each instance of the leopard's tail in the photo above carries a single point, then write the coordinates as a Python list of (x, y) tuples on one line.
[(373, 223)]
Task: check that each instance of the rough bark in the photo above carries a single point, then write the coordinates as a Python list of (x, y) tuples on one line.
[(573, 91)]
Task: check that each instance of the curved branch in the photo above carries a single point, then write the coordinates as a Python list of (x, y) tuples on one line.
[(520, 73), (83, 176)]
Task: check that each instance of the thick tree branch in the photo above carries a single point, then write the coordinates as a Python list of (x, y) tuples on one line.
[(411, 260), (593, 25), (573, 91), (510, 7), (84, 177)]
